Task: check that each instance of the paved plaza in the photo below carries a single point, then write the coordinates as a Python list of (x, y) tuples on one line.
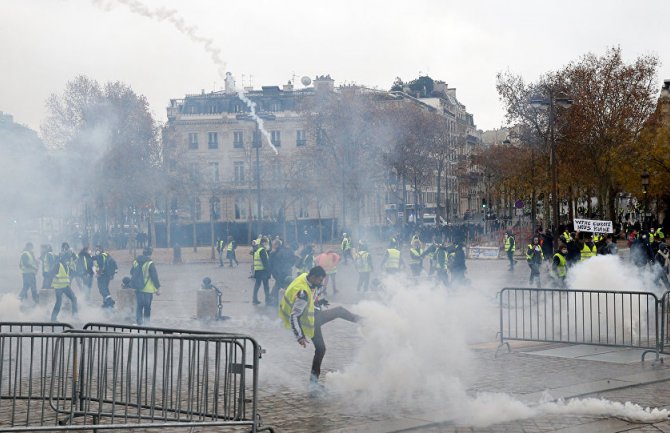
[(527, 375)]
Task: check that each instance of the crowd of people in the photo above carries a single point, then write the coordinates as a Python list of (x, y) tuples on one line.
[(67, 270), (648, 251)]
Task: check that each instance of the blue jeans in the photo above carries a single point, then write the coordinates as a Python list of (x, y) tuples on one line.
[(143, 310), (67, 291)]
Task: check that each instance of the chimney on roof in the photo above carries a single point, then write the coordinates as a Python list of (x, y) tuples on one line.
[(323, 83), (288, 87)]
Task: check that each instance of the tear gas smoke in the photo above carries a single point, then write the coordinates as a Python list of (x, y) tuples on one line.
[(610, 273), (192, 32), (415, 356)]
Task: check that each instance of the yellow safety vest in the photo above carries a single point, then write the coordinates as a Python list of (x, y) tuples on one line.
[(47, 262), (258, 263), (436, 255), (562, 267), (588, 252), (393, 260), (62, 278), (531, 248), (32, 264), (149, 286), (362, 264), (230, 246), (298, 285), (415, 256), (509, 244), (346, 244)]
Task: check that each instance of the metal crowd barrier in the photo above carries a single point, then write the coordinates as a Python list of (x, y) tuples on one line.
[(599, 317), (34, 327), (118, 380)]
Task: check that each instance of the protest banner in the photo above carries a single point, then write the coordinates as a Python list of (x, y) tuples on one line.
[(594, 226)]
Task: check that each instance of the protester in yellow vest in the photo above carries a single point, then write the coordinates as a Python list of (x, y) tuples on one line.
[(416, 254), (364, 267), (60, 282), (559, 266), (262, 272), (589, 248), (510, 248), (392, 261), (28, 266), (144, 297), (303, 311)]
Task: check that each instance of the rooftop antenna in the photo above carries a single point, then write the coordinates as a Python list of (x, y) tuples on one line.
[(251, 80)]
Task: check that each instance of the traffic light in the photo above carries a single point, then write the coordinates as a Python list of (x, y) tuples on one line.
[(483, 202)]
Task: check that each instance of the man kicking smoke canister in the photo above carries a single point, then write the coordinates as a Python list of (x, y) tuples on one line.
[(304, 313)]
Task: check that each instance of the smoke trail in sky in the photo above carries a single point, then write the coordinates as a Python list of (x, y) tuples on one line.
[(192, 32)]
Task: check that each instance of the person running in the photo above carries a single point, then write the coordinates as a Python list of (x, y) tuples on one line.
[(60, 282), (303, 311)]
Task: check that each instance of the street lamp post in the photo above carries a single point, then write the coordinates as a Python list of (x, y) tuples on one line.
[(257, 144), (563, 102), (645, 187)]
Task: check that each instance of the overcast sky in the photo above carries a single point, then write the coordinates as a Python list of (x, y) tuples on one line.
[(45, 43)]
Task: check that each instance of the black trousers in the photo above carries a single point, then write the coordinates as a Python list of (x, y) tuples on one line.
[(320, 319), (29, 283), (264, 278), (103, 286), (67, 291)]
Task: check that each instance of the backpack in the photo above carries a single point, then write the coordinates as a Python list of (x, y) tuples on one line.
[(137, 281), (111, 267)]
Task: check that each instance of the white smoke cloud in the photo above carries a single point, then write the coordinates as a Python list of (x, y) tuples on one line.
[(415, 356)]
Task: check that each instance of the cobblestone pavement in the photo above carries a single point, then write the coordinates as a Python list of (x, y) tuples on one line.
[(285, 401)]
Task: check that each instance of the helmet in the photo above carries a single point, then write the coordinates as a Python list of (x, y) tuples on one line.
[(147, 251)]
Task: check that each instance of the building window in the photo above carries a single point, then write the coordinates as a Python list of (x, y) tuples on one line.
[(275, 106), (239, 172), (192, 140), (320, 137), (195, 209), (300, 138), (240, 209), (215, 209), (276, 138), (214, 171), (303, 209), (213, 140), (194, 172), (238, 139), (276, 172)]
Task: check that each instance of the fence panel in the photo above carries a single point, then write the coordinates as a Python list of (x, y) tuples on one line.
[(87, 380), (609, 318)]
